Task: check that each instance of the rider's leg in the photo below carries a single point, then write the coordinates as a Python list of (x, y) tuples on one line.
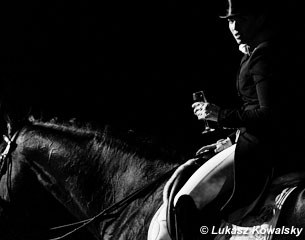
[(212, 179), (209, 188)]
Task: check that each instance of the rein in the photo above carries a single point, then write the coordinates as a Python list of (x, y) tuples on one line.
[(109, 212)]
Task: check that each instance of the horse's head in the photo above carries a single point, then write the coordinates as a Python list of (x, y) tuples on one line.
[(27, 208)]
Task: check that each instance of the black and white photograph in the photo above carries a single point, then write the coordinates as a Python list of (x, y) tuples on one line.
[(152, 120)]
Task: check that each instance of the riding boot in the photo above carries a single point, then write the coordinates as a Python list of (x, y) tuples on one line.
[(190, 220), (187, 219)]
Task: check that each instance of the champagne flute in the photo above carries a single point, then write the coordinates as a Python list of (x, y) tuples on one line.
[(200, 97)]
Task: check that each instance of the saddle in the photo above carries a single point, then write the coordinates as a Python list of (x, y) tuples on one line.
[(184, 213), (261, 222)]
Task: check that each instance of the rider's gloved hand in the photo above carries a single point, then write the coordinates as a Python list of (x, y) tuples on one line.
[(222, 144), (206, 111)]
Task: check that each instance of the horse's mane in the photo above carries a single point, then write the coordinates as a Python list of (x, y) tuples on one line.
[(127, 140)]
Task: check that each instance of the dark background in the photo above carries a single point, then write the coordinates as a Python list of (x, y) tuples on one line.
[(133, 65)]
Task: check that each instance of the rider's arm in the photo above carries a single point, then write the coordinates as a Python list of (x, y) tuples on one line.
[(258, 116)]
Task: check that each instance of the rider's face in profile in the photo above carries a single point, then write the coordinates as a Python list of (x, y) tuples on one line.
[(244, 27)]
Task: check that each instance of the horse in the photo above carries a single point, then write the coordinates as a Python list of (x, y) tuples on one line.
[(52, 171), (111, 184)]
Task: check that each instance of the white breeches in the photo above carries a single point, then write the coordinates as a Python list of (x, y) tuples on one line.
[(203, 186)]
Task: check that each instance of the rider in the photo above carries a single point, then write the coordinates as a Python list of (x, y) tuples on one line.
[(268, 85)]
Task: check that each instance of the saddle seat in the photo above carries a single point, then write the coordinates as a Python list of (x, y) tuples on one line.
[(266, 209)]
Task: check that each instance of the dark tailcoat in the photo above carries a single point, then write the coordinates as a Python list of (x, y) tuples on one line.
[(271, 126)]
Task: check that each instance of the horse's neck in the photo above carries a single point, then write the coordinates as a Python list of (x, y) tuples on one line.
[(95, 176), (53, 163)]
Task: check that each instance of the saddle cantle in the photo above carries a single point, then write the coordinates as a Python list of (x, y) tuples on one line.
[(261, 222)]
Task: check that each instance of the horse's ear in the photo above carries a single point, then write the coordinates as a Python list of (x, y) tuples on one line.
[(6, 125), (9, 124), (13, 121)]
